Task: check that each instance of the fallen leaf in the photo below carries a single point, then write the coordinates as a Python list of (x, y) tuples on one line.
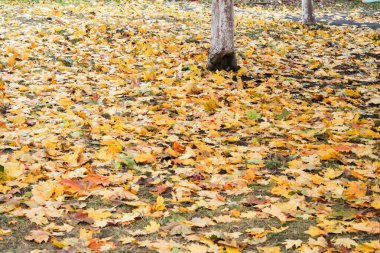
[(153, 227), (38, 236)]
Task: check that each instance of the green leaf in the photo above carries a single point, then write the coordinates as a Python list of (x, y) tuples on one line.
[(129, 162), (285, 114), (253, 115), (2, 172)]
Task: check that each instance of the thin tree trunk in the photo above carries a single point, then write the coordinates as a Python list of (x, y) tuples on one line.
[(222, 52), (308, 17)]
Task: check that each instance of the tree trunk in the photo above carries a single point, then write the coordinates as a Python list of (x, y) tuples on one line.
[(308, 17), (222, 52)]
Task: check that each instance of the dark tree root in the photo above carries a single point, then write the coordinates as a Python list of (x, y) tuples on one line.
[(223, 62)]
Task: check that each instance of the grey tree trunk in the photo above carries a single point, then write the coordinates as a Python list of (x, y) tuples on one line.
[(308, 17), (222, 52)]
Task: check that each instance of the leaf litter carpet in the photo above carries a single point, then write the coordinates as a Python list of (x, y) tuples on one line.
[(114, 137)]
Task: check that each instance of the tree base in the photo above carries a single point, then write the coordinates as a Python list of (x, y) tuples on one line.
[(309, 22), (222, 62)]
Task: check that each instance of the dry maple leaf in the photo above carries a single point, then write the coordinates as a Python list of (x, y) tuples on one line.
[(197, 248), (355, 190), (178, 147), (145, 158), (74, 185), (345, 242), (100, 245), (38, 236), (153, 227), (82, 216), (289, 244), (5, 231), (315, 231), (371, 227), (276, 212), (93, 89), (275, 249), (160, 204), (211, 105), (127, 240)]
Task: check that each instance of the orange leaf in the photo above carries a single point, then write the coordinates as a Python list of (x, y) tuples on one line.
[(97, 245), (178, 147), (12, 61), (74, 185), (355, 190), (250, 175), (97, 179)]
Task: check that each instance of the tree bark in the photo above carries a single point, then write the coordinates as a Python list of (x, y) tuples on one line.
[(222, 52), (308, 17)]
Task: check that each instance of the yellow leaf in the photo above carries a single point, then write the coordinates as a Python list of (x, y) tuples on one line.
[(73, 158), (58, 243), (328, 154), (355, 190), (104, 154), (315, 65), (218, 78), (257, 232), (275, 249), (198, 37), (292, 243), (5, 231), (127, 240), (114, 146), (346, 242), (232, 250), (51, 142), (197, 248), (315, 231), (369, 247), (65, 102), (235, 213), (376, 203), (211, 105), (331, 173), (85, 234), (370, 133), (13, 170), (46, 190), (160, 205), (98, 214), (242, 71), (153, 227), (233, 138), (352, 93), (276, 212), (295, 164), (145, 158)]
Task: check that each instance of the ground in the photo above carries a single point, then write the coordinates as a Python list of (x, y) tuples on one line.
[(115, 137)]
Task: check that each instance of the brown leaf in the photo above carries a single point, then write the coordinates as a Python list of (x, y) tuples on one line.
[(81, 216)]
